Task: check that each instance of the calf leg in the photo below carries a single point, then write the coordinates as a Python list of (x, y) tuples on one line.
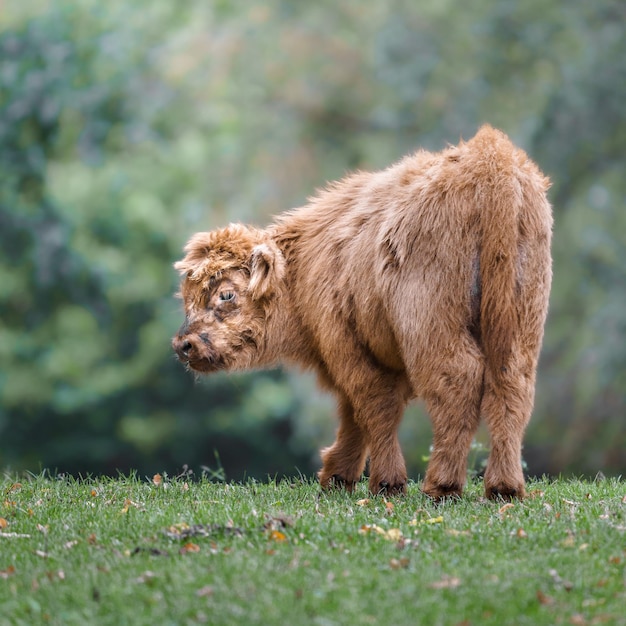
[(453, 400), (506, 406), (387, 467), (376, 397), (344, 461)]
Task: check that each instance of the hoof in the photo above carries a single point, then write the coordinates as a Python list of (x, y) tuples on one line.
[(384, 488), (336, 481), (441, 492), (504, 492), (339, 482)]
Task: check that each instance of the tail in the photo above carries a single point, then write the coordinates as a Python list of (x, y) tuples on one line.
[(500, 196)]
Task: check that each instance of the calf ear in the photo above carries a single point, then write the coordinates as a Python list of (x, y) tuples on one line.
[(267, 269)]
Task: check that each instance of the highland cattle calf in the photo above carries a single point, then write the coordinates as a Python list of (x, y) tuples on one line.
[(428, 279)]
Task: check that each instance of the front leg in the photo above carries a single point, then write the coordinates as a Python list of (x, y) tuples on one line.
[(370, 417), (344, 461), (387, 467)]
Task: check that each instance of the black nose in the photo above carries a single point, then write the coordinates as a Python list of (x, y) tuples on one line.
[(182, 346)]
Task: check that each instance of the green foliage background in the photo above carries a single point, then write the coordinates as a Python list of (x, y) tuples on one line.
[(125, 127)]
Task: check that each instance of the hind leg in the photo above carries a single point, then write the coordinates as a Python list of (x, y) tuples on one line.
[(509, 395), (453, 399), (506, 406)]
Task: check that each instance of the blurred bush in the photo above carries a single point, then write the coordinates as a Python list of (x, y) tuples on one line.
[(126, 127)]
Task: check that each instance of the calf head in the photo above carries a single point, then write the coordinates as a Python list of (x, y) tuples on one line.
[(230, 277)]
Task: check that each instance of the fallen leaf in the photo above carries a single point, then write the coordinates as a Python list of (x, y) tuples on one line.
[(190, 547), (15, 487), (182, 530), (273, 522), (9, 571), (521, 533), (366, 501), (544, 599), (505, 507), (94, 493), (157, 480), (402, 563), (3, 523), (127, 504), (146, 577), (446, 583), (277, 536), (393, 534), (389, 506), (176, 530), (92, 540), (150, 551), (205, 591)]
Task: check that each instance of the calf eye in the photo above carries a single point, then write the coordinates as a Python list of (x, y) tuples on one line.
[(227, 296)]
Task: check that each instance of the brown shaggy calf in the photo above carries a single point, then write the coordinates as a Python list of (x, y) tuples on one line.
[(429, 279)]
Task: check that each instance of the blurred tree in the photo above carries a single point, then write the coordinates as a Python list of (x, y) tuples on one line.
[(124, 128), (87, 378)]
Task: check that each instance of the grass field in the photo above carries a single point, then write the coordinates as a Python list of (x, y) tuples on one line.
[(159, 551)]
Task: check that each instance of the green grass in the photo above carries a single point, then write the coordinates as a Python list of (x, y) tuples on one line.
[(127, 551)]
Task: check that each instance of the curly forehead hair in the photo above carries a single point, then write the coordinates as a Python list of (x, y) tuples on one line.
[(208, 254)]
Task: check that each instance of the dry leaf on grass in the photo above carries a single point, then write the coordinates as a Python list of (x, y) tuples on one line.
[(9, 571), (150, 551), (393, 534), (127, 504), (205, 591), (504, 508), (3, 522), (182, 530), (146, 577), (544, 599), (447, 582), (276, 522), (189, 547), (429, 520), (276, 535)]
